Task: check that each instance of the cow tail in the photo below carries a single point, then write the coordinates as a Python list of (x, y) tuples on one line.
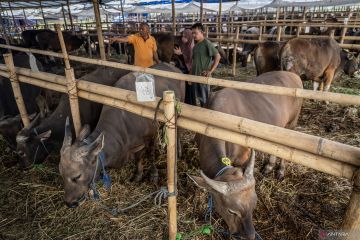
[(286, 61)]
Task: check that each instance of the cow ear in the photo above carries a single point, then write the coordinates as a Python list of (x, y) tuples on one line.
[(44, 136), (99, 144), (350, 56), (200, 182)]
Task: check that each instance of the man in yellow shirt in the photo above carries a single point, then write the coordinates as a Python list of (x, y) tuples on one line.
[(144, 45)]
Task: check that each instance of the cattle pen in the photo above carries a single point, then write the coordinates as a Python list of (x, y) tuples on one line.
[(322, 154)]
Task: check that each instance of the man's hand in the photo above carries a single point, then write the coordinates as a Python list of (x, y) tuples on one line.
[(206, 73), (112, 40), (177, 51)]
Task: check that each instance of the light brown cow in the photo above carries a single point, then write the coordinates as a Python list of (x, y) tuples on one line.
[(233, 189), (312, 59)]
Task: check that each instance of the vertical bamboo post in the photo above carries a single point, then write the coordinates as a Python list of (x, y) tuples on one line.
[(73, 97), (173, 17), (260, 31), (235, 52), (206, 31), (169, 113), (201, 10), (70, 17), (278, 34), (9, 61), (219, 15), (12, 14), (277, 15), (99, 29), (122, 12), (43, 16), (343, 33), (63, 46), (64, 16), (25, 18), (352, 216)]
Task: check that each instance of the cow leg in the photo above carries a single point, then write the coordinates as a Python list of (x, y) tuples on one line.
[(281, 171), (329, 75), (315, 85), (321, 88), (153, 173), (139, 173), (269, 166)]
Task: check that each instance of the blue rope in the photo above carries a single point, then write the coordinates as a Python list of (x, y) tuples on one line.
[(105, 178)]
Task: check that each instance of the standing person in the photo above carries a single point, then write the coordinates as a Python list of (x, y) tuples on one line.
[(184, 52), (204, 62), (144, 45)]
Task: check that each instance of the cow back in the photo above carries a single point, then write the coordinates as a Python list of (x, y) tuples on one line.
[(268, 108)]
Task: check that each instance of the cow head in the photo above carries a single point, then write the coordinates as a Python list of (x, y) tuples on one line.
[(352, 64), (234, 197), (78, 164), (31, 145), (9, 127)]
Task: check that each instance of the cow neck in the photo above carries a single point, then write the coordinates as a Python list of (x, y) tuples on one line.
[(210, 161)]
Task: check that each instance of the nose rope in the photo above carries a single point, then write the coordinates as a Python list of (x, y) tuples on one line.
[(37, 148)]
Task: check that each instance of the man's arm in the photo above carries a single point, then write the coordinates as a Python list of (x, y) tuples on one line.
[(119, 39), (217, 58), (156, 57)]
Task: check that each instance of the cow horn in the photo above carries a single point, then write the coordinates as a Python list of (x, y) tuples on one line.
[(68, 134), (84, 150), (221, 187), (249, 172), (34, 122), (85, 131)]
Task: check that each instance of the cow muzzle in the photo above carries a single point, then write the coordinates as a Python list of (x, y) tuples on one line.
[(75, 203)]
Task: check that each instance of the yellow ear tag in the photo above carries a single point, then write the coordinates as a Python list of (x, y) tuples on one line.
[(226, 161)]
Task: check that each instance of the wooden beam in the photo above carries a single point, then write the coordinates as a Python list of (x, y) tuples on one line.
[(169, 113), (99, 29)]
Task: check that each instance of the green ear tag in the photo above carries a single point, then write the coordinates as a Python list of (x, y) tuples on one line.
[(226, 161)]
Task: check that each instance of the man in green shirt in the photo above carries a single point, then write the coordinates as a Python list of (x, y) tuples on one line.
[(205, 60)]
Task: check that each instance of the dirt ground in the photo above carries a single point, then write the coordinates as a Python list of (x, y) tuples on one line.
[(32, 207)]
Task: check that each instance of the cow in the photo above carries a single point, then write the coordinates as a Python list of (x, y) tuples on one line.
[(34, 144), (267, 57), (350, 63), (231, 187), (36, 100), (29, 37), (49, 41), (314, 59), (248, 48), (118, 134)]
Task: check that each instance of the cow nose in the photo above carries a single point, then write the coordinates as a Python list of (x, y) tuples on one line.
[(72, 204)]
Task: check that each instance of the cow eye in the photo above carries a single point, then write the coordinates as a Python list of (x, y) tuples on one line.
[(232, 212), (74, 179)]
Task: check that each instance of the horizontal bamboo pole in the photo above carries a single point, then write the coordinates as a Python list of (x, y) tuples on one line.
[(318, 163), (294, 92), (31, 50), (247, 86), (302, 141), (305, 142)]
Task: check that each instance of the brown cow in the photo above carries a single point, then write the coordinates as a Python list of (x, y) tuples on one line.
[(315, 60), (312, 59), (267, 57), (125, 134), (232, 189)]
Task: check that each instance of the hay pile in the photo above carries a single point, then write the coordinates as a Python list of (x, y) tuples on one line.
[(31, 204)]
